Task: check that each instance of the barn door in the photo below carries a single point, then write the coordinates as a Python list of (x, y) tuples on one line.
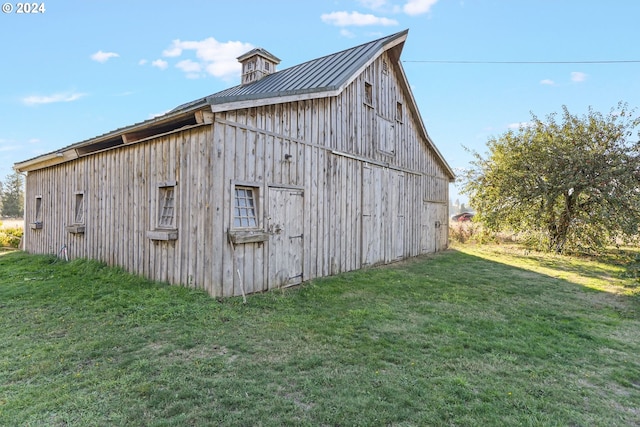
[(373, 202), (285, 222), (428, 237), (433, 234), (396, 209)]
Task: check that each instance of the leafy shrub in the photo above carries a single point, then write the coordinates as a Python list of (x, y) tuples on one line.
[(11, 237)]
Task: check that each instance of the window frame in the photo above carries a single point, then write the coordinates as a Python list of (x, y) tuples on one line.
[(162, 208), (248, 234), (161, 231), (37, 213), (256, 200), (77, 223), (368, 94), (399, 112), (78, 207)]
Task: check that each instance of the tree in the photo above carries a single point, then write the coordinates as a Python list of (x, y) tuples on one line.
[(13, 196), (574, 184)]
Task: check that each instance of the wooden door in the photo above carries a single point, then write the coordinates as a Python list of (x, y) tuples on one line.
[(428, 237), (286, 244), (434, 227), (373, 203)]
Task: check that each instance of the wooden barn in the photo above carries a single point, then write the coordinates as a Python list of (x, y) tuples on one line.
[(313, 170)]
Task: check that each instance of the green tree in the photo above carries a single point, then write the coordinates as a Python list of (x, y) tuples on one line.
[(13, 196), (574, 183)]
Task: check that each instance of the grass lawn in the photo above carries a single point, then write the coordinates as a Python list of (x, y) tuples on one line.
[(476, 336)]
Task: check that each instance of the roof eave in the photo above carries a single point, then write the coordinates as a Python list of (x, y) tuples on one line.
[(71, 152)]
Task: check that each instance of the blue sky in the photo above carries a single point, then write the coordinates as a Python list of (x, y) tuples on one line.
[(82, 68)]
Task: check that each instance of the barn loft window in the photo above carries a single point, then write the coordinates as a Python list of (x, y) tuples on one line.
[(166, 213), (386, 136), (368, 94), (399, 111), (166, 206), (244, 212), (266, 66), (385, 67), (37, 223)]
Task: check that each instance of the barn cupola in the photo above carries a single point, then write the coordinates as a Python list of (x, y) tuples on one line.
[(256, 64)]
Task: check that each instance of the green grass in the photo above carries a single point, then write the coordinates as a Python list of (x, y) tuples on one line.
[(478, 336)]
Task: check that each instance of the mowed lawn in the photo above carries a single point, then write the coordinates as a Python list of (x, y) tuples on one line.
[(475, 336)]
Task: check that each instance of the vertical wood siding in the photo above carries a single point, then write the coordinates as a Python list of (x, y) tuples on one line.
[(361, 204)]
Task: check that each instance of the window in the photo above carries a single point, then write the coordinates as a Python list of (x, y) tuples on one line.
[(385, 67), (38, 217), (368, 94), (77, 223), (166, 228), (266, 66), (78, 209), (399, 111), (37, 220), (244, 212), (166, 206)]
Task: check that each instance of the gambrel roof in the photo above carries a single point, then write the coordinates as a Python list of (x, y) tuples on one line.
[(322, 77)]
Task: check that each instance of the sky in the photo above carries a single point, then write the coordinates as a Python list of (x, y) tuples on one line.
[(477, 68)]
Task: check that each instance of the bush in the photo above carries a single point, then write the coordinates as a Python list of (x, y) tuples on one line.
[(474, 232), (463, 232), (11, 237)]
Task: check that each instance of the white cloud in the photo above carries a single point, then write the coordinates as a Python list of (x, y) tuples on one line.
[(8, 145), (50, 99), (418, 7), (547, 82), (216, 58), (519, 125), (174, 50), (346, 33), (578, 77), (160, 63), (189, 66), (103, 57), (142, 62), (345, 19), (373, 4)]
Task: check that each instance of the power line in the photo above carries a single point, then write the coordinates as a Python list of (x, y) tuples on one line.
[(527, 62)]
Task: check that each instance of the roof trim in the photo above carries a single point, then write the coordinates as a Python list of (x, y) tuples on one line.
[(423, 129), (119, 137), (261, 52)]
